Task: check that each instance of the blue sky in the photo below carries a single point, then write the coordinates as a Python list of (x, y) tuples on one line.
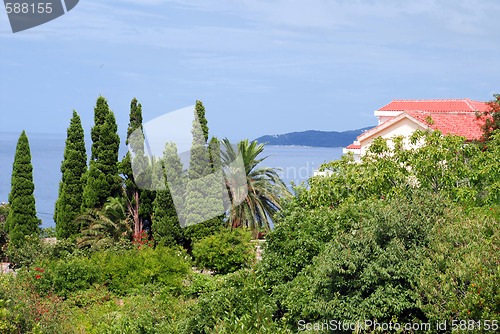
[(259, 66)]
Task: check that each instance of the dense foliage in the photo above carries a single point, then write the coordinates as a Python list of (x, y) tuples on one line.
[(167, 230), (97, 292), (224, 252), (491, 117), (102, 180), (408, 235), (73, 167), (135, 185), (203, 206), (255, 197), (22, 219)]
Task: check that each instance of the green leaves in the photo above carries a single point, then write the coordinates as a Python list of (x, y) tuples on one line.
[(22, 220), (225, 251), (167, 230), (389, 238), (256, 197), (73, 168), (102, 180), (459, 278)]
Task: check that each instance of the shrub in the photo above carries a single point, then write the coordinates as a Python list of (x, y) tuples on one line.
[(68, 275), (27, 309), (122, 272), (460, 275), (4, 213), (29, 251), (239, 304), (225, 252), (197, 284), (8, 321), (355, 262), (127, 272)]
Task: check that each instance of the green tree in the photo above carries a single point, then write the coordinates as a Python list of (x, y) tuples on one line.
[(204, 187), (139, 201), (441, 164), (255, 199), (459, 277), (239, 303), (22, 220), (166, 226), (102, 179), (491, 117), (202, 119), (370, 269), (102, 228), (486, 167), (199, 161), (73, 167)]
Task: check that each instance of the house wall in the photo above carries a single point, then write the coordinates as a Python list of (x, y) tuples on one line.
[(384, 116), (382, 119), (405, 127)]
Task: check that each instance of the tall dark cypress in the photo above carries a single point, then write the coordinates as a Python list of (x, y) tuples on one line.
[(139, 200), (102, 179), (199, 163), (73, 167), (166, 227), (202, 119), (22, 219), (203, 206)]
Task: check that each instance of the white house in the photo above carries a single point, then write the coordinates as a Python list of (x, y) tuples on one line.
[(403, 117)]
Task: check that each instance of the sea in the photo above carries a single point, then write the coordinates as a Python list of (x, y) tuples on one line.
[(294, 163)]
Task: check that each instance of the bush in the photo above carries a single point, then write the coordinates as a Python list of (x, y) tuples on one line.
[(299, 235), (355, 262), (4, 213), (122, 272), (239, 304), (128, 272), (225, 252), (197, 284), (27, 309), (67, 276), (31, 250), (460, 276)]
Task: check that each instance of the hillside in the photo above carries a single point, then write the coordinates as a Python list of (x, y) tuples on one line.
[(313, 138)]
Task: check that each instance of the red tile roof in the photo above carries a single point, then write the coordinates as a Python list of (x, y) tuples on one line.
[(353, 147), (448, 105), (463, 124), (450, 116)]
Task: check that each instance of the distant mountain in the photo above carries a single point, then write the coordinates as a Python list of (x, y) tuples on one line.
[(314, 138)]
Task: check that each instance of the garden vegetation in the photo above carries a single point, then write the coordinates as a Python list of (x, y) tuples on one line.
[(410, 234)]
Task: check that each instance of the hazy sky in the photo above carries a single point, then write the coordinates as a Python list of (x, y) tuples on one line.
[(259, 66)]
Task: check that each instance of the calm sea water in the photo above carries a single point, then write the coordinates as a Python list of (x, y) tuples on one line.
[(296, 163)]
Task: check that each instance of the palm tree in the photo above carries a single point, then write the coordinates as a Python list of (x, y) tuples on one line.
[(256, 198), (102, 228)]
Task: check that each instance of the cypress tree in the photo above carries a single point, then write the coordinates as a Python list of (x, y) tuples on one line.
[(204, 188), (202, 119), (22, 219), (199, 162), (214, 152), (166, 227), (102, 179), (73, 167), (139, 200)]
